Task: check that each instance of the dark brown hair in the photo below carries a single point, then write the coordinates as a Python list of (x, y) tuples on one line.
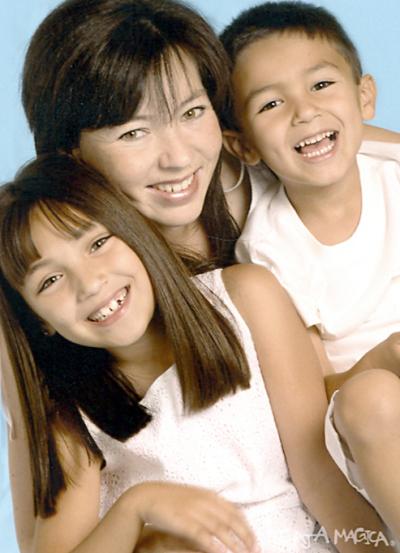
[(57, 379), (286, 17), (90, 63)]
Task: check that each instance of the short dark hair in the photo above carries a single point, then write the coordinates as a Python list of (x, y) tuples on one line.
[(280, 17), (88, 64)]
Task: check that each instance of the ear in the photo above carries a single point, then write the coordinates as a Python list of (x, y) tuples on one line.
[(47, 329), (239, 147), (367, 89)]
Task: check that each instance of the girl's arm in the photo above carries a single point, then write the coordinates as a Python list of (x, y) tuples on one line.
[(200, 516), (296, 389), (18, 458), (380, 135)]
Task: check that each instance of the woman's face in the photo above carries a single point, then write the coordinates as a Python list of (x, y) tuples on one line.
[(164, 162)]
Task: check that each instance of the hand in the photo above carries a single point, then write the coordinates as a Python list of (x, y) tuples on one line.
[(201, 517)]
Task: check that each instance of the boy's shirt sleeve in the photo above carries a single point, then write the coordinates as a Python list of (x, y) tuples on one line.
[(380, 150)]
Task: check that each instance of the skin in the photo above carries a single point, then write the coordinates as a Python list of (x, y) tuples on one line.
[(189, 233), (280, 103), (92, 268), (72, 282), (153, 150), (154, 155)]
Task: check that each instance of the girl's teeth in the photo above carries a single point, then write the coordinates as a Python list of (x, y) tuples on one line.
[(178, 187), (106, 311)]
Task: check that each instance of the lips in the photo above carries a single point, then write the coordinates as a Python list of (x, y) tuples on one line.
[(317, 145), (111, 307), (176, 186)]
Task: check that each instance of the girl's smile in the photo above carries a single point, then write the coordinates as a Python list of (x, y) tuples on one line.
[(113, 309), (91, 288)]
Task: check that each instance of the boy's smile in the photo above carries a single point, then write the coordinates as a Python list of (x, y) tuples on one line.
[(300, 109)]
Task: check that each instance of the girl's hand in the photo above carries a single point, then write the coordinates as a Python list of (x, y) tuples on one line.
[(209, 522)]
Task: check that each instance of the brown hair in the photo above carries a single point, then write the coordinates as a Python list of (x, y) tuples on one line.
[(270, 18), (57, 379), (89, 65)]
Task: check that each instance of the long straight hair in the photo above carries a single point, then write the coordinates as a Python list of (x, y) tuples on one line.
[(56, 379)]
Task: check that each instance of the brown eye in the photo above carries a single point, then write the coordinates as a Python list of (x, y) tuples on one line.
[(194, 113), (99, 243), (322, 84), (48, 282)]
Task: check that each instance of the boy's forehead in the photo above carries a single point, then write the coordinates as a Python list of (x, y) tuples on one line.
[(278, 58), (289, 46)]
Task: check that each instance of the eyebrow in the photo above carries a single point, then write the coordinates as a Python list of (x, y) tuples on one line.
[(36, 266), (193, 96), (308, 71)]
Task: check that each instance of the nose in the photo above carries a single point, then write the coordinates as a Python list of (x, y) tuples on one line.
[(175, 151), (304, 110), (89, 281)]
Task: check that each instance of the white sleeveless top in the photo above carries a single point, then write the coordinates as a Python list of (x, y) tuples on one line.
[(232, 448)]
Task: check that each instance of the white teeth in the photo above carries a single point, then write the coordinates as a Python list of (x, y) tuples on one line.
[(314, 139), (107, 310), (320, 152), (178, 187)]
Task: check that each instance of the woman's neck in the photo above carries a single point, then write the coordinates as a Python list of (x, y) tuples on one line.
[(191, 237), (146, 359)]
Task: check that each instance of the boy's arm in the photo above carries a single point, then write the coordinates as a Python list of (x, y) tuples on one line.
[(380, 135), (295, 386)]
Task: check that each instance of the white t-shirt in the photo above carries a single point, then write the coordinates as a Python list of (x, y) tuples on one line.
[(351, 290)]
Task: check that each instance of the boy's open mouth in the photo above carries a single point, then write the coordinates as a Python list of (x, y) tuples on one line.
[(317, 145)]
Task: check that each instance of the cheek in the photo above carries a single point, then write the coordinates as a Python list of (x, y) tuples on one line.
[(211, 136)]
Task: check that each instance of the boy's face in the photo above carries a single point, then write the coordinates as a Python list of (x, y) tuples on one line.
[(300, 109)]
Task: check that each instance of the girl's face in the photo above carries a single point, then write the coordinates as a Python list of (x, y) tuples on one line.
[(164, 162), (92, 288)]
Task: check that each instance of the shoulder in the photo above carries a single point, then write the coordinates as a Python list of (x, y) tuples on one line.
[(383, 151), (252, 287), (246, 274)]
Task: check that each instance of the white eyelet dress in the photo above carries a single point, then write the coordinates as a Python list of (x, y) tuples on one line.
[(232, 448)]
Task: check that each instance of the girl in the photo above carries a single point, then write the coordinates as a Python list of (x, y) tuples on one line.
[(139, 387)]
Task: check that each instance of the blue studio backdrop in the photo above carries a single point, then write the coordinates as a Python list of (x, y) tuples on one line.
[(373, 27)]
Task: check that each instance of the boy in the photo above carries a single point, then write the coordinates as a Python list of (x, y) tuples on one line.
[(328, 229)]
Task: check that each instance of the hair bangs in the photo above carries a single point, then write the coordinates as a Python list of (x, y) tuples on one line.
[(20, 251)]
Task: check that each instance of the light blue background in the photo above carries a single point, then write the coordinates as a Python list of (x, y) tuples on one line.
[(372, 25)]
